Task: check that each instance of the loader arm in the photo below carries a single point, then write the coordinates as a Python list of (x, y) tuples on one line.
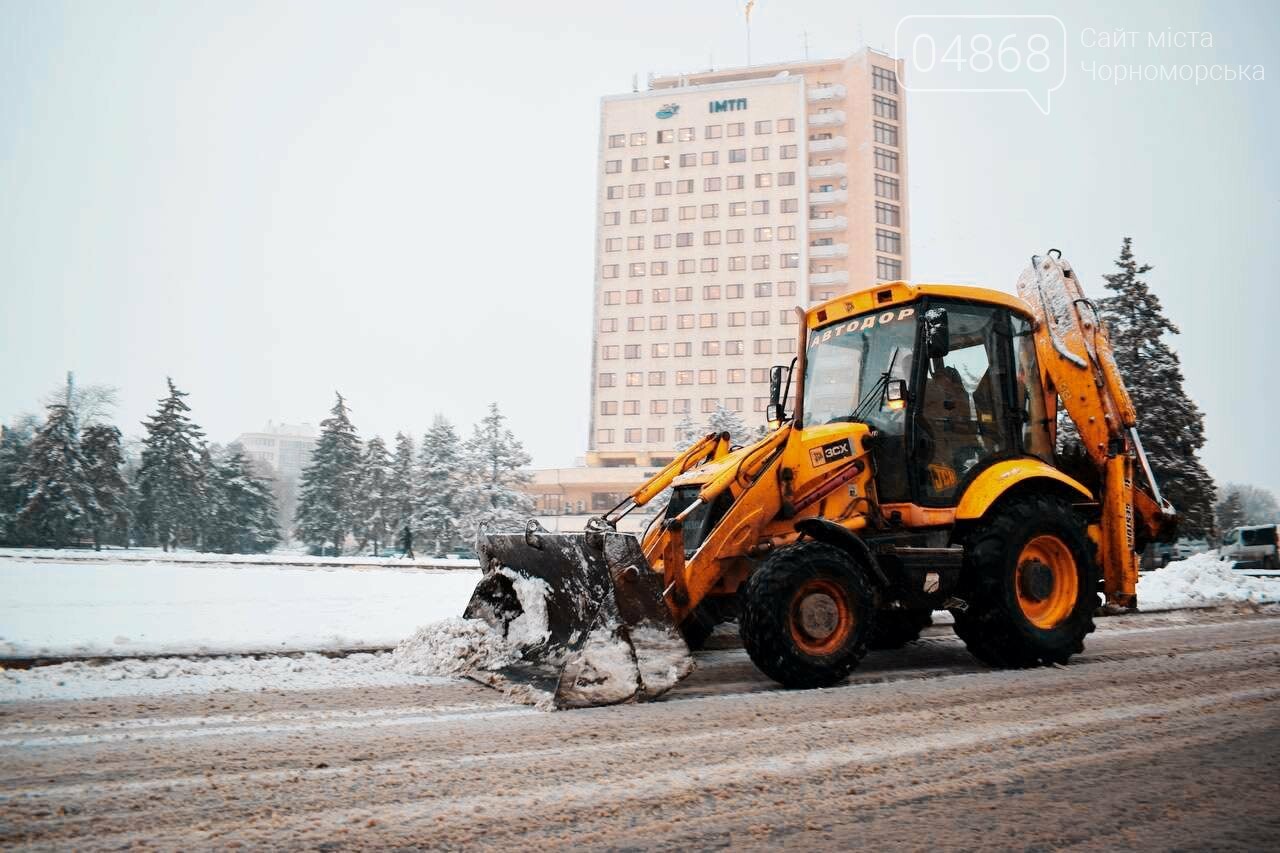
[(1076, 362), (709, 448)]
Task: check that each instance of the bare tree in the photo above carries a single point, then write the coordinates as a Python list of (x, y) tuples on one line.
[(89, 404)]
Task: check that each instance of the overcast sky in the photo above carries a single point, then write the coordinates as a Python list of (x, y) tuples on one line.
[(270, 201)]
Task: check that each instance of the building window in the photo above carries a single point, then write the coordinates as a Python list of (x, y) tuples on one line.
[(736, 376), (635, 191), (635, 379), (630, 407), (887, 187), (657, 377), (613, 244), (618, 140), (686, 134), (763, 289), (683, 349), (886, 134), (761, 153), (888, 214), (710, 347), (733, 291), (613, 297), (760, 403), (709, 404), (686, 266), (888, 241), (684, 294), (737, 263), (786, 179), (737, 208), (737, 155), (604, 436), (639, 138), (684, 238), (660, 294), (666, 136), (609, 324), (688, 211), (788, 152), (790, 205), (764, 347), (786, 345), (658, 407), (658, 323), (764, 179), (789, 260), (612, 217), (786, 288), (689, 159), (654, 435), (713, 131), (639, 164), (787, 318), (765, 126), (710, 158), (735, 182), (736, 128), (737, 318), (886, 161), (659, 350), (759, 318), (709, 265), (660, 214), (635, 324), (680, 407), (884, 80), (706, 377), (884, 107), (632, 435), (609, 353), (684, 321), (711, 238), (710, 211), (710, 185), (662, 188), (639, 217), (661, 162), (759, 374), (733, 235), (608, 407), (786, 232), (764, 234), (658, 268), (612, 167), (635, 243), (683, 187), (635, 297), (684, 377), (733, 404), (733, 347), (631, 351), (711, 291), (759, 262), (607, 380), (888, 269), (662, 241), (613, 192), (759, 207), (707, 321)]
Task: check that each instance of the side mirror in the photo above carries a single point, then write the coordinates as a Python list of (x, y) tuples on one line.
[(895, 394), (775, 384), (937, 335), (775, 412)]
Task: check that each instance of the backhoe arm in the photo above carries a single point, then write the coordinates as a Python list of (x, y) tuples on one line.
[(710, 447)]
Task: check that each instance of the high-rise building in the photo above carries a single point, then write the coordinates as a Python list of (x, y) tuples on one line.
[(726, 199), (286, 448)]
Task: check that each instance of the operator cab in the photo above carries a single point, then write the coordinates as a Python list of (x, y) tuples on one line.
[(949, 386)]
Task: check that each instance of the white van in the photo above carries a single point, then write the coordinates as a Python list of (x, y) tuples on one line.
[(1256, 544)]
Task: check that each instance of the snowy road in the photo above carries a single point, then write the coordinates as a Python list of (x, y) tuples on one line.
[(1165, 733)]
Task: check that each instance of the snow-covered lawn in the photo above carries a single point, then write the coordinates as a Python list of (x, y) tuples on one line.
[(278, 558), (66, 609)]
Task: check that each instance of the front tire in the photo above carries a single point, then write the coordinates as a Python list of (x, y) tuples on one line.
[(1033, 585), (807, 614)]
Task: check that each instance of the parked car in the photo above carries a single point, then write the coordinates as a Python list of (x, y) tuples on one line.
[(1249, 546), (1184, 548)]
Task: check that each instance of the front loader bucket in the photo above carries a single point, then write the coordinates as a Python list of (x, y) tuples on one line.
[(606, 635)]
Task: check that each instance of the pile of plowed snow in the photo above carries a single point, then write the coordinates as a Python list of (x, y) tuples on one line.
[(1202, 580)]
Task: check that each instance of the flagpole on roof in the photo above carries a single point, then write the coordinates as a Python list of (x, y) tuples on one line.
[(750, 3)]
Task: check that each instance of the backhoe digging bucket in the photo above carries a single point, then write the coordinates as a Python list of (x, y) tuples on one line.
[(586, 614)]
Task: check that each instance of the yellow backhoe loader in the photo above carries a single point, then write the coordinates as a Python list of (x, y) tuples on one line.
[(914, 471)]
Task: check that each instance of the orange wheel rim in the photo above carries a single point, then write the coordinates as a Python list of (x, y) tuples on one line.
[(821, 617), (1046, 581)]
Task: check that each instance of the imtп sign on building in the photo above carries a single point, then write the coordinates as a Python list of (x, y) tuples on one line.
[(729, 105)]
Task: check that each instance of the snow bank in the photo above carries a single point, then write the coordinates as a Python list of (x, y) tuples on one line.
[(186, 676), (280, 558), (1202, 580), (57, 609)]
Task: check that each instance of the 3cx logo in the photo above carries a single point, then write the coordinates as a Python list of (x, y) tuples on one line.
[(668, 110)]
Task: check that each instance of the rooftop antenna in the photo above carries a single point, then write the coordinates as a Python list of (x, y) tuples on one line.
[(750, 4), (805, 36), (635, 82)]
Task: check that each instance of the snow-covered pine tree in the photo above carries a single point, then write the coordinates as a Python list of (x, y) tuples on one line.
[(401, 487), (103, 466), (495, 463), (15, 442), (1169, 421), (723, 420), (686, 433), (242, 507), (441, 478), (373, 504), (170, 496), (327, 499), (59, 502)]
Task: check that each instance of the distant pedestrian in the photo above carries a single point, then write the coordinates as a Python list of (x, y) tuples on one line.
[(406, 542)]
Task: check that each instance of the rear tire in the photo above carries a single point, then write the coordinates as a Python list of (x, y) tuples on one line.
[(807, 614), (1032, 585), (895, 628)]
